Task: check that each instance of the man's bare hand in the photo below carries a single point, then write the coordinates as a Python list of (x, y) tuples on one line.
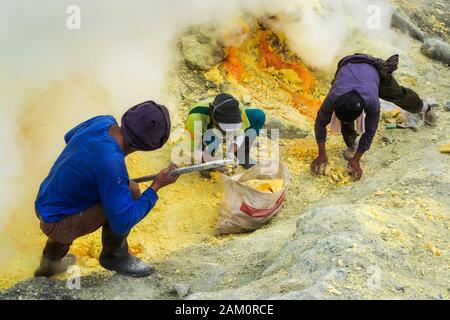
[(319, 164), (354, 168), (164, 178)]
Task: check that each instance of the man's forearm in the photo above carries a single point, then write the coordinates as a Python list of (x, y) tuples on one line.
[(155, 186), (322, 149), (358, 155), (122, 221)]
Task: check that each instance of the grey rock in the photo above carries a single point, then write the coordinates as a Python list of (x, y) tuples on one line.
[(201, 49), (181, 289), (387, 139), (400, 288), (432, 102), (405, 25), (387, 106), (413, 120), (436, 49), (312, 294), (447, 105), (286, 130), (247, 99)]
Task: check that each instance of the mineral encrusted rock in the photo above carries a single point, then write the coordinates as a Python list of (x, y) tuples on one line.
[(436, 49), (405, 25), (201, 48)]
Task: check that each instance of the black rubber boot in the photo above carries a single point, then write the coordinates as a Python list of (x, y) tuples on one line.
[(54, 259), (115, 256)]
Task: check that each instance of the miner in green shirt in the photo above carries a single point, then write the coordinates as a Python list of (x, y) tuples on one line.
[(213, 121)]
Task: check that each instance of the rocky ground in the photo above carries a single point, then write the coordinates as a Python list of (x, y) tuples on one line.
[(386, 236), (430, 17)]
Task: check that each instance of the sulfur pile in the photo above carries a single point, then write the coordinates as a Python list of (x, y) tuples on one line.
[(265, 185)]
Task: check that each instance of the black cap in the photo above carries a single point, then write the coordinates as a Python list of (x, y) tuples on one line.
[(146, 126), (349, 106), (225, 109)]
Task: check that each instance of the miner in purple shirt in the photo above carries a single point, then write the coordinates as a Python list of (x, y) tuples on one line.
[(359, 83)]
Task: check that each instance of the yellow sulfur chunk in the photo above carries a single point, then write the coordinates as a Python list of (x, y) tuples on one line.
[(433, 249), (269, 186), (445, 148)]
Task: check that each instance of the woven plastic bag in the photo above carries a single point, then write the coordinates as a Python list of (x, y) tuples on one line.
[(244, 209)]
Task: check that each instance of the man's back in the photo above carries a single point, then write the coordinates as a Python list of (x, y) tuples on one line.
[(361, 77), (72, 184)]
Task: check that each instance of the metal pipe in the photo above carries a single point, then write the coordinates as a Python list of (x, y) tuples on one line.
[(189, 169)]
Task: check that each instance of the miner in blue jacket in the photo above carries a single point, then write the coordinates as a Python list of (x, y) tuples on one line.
[(88, 187)]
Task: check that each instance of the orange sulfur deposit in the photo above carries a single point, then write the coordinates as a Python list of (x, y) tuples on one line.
[(268, 58), (233, 64), (302, 98), (256, 67)]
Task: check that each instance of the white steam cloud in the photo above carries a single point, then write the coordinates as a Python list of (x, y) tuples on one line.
[(320, 31)]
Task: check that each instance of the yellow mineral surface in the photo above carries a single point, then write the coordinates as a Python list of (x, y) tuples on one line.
[(265, 185)]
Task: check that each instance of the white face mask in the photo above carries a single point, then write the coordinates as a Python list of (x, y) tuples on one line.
[(230, 128)]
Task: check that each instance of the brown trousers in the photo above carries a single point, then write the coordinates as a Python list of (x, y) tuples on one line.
[(74, 226)]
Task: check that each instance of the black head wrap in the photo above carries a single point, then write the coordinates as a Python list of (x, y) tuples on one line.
[(225, 109), (146, 126), (349, 106)]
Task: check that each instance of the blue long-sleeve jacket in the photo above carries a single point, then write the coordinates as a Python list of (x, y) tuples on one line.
[(91, 169)]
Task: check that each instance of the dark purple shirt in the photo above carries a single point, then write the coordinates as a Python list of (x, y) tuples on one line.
[(363, 78)]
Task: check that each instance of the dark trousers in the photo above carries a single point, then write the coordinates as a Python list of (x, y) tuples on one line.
[(391, 91), (403, 97), (74, 226)]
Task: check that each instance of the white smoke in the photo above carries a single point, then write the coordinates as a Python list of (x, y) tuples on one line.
[(320, 31)]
